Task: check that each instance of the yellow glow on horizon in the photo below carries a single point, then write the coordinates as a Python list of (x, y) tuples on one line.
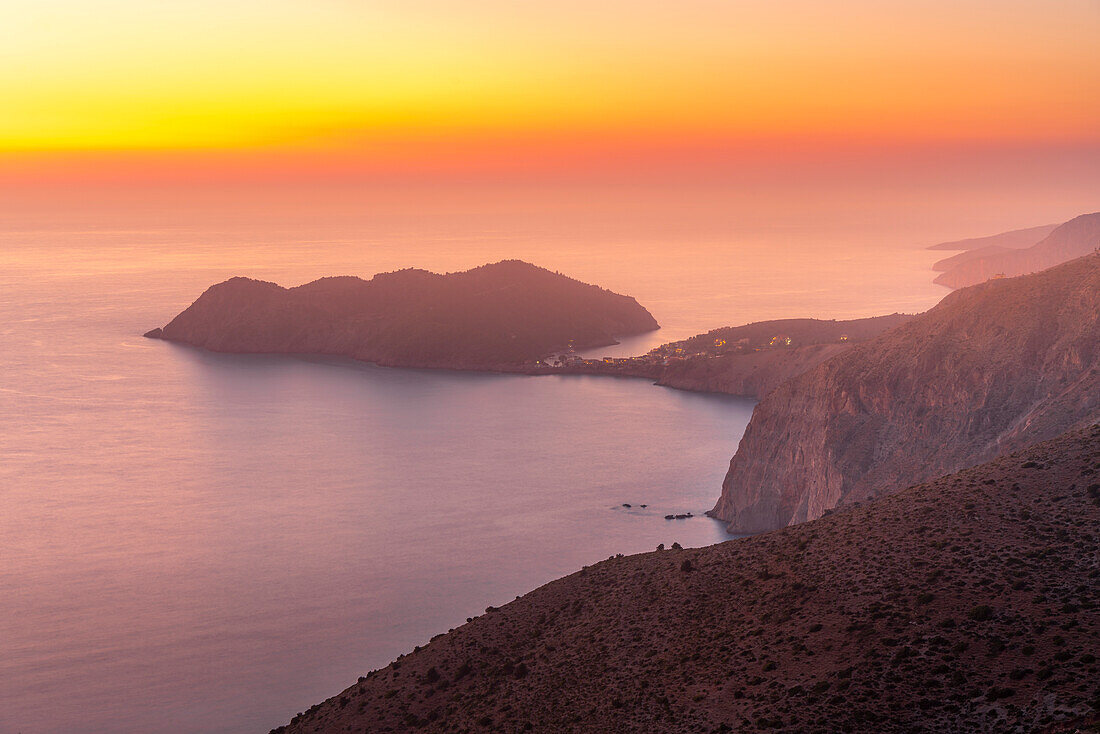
[(78, 75)]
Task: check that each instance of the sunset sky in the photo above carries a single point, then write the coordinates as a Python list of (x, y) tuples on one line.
[(433, 83)]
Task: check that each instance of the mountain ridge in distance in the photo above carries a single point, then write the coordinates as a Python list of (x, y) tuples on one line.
[(1011, 240), (1001, 257)]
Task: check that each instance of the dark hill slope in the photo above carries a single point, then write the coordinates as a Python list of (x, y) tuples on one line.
[(748, 361), (800, 331), (757, 369), (498, 314), (990, 369), (967, 604)]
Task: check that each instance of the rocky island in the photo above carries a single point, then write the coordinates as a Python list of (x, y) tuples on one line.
[(495, 316), (990, 369)]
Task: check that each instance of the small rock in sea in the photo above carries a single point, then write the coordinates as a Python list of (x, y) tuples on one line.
[(626, 505), (669, 517), (643, 505)]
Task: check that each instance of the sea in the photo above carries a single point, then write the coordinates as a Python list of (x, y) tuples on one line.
[(199, 542)]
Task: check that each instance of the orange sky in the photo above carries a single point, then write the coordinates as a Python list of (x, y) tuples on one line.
[(380, 84)]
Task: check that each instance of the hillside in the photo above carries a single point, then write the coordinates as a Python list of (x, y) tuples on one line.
[(748, 361), (751, 375), (1077, 237), (800, 332), (966, 604), (506, 313), (991, 368), (765, 359)]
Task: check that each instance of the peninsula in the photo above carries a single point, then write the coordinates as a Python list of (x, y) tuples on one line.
[(747, 361), (505, 314)]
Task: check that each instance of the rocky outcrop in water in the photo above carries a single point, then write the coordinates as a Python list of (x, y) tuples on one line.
[(506, 313), (990, 369)]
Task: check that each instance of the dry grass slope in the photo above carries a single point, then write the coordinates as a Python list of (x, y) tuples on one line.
[(965, 604)]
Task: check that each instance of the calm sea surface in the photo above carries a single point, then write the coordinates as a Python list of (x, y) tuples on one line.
[(193, 542)]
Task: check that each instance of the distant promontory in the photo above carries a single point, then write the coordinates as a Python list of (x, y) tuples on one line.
[(493, 316), (1018, 252)]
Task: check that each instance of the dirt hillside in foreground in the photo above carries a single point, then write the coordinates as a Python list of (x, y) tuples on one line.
[(965, 604)]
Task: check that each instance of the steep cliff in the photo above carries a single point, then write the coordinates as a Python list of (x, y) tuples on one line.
[(991, 368), (966, 604), (499, 314), (1079, 236)]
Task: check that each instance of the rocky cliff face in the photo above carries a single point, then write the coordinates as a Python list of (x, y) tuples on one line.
[(494, 315), (1075, 238), (990, 369)]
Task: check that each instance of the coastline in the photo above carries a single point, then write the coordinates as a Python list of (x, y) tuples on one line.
[(745, 375)]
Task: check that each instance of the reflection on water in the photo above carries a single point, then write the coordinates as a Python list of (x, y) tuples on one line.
[(201, 542)]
